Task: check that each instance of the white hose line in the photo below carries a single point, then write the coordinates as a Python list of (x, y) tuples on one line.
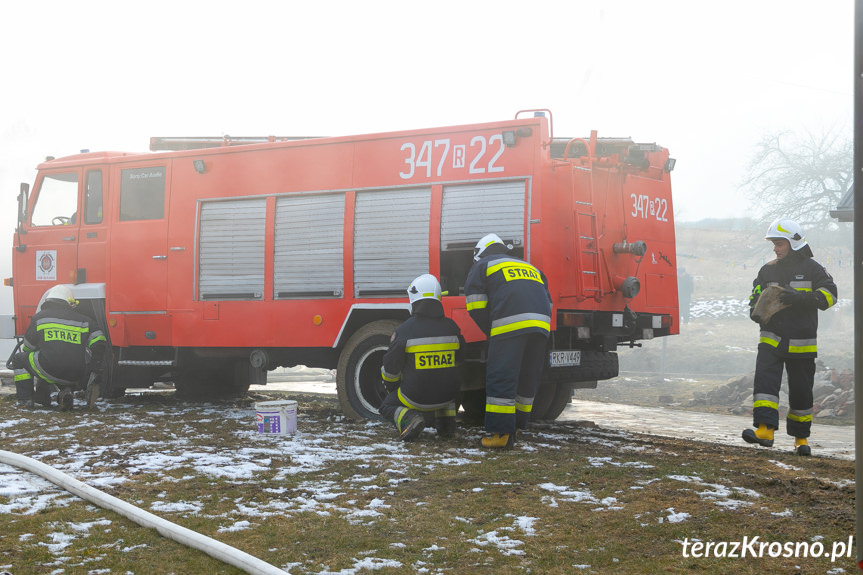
[(211, 547)]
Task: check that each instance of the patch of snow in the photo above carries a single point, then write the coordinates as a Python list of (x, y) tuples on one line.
[(675, 517), (504, 544), (238, 526)]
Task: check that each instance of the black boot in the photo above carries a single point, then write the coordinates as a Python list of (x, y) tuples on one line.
[(43, 393), (65, 399), (24, 393), (411, 425), (445, 426)]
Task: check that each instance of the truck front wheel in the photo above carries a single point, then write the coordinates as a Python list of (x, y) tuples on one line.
[(358, 376)]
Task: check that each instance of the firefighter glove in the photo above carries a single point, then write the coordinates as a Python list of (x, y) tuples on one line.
[(796, 298), (753, 316)]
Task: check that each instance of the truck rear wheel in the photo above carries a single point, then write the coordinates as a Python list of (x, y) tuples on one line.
[(358, 376), (550, 401)]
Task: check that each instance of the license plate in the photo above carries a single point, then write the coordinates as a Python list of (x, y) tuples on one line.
[(564, 358)]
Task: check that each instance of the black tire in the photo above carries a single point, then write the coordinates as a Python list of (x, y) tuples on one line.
[(358, 376), (473, 403), (550, 401)]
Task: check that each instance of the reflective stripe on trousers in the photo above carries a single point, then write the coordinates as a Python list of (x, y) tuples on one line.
[(513, 373)]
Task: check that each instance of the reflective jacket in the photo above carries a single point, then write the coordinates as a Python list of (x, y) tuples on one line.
[(791, 332), (507, 297), (58, 339), (423, 357)]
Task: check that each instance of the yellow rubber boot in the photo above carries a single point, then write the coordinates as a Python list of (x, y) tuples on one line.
[(801, 447), (764, 433), (762, 436), (499, 441)]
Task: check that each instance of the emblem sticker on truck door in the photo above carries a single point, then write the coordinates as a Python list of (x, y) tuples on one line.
[(46, 265)]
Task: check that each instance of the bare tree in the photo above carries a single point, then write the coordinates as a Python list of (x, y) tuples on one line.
[(800, 177)]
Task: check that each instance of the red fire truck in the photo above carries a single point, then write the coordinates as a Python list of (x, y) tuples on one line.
[(209, 261)]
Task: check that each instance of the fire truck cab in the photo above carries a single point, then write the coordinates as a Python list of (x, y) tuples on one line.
[(211, 261)]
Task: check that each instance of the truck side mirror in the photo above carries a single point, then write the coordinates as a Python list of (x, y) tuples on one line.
[(22, 203)]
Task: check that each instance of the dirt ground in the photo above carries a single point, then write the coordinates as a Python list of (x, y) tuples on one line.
[(571, 497)]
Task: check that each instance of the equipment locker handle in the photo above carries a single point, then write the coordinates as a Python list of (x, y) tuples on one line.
[(160, 257)]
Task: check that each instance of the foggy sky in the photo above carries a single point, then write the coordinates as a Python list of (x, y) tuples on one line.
[(706, 81)]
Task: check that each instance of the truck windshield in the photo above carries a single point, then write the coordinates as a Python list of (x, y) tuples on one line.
[(56, 200)]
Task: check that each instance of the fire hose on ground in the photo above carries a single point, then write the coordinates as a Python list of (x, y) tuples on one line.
[(213, 548)]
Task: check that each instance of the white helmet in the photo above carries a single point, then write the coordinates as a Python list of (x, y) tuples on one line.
[(483, 243), (61, 293), (425, 286), (789, 230)]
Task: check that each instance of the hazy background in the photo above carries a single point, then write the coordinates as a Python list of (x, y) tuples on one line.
[(705, 80)]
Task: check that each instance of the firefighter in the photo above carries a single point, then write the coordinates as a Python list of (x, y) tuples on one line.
[(56, 351), (509, 300), (420, 368), (788, 335)]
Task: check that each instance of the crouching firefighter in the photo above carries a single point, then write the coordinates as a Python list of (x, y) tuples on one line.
[(56, 351), (420, 368)]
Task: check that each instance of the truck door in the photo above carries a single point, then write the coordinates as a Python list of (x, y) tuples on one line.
[(139, 241), (48, 253), (93, 232)]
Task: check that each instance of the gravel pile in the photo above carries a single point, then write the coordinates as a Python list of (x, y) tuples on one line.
[(833, 391)]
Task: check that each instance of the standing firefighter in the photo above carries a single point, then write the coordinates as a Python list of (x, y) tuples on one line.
[(789, 322), (420, 368), (509, 300), (55, 350)]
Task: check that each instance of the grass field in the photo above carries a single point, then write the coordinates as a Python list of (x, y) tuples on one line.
[(346, 498)]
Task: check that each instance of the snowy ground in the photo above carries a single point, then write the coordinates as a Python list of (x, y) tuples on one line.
[(137, 441)]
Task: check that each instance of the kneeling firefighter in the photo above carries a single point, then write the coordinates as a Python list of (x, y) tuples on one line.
[(420, 368), (56, 350)]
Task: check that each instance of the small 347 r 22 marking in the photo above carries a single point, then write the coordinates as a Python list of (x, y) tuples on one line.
[(644, 206)]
